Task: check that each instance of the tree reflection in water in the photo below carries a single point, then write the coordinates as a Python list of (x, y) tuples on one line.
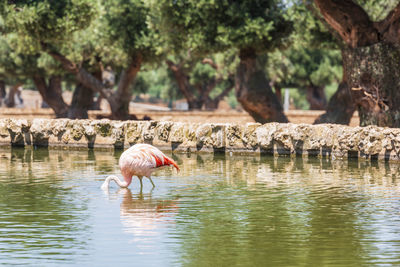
[(39, 220), (291, 211)]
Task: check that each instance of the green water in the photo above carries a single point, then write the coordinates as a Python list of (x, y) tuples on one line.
[(218, 211)]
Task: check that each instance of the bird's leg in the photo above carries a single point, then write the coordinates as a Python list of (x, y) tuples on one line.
[(141, 183), (151, 182)]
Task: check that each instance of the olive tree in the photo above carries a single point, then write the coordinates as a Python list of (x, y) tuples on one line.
[(204, 82), (83, 36), (250, 27), (368, 31)]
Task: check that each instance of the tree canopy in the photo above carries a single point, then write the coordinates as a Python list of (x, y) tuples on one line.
[(84, 36), (207, 46), (210, 26)]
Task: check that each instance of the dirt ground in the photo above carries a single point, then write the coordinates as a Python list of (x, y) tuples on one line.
[(31, 108)]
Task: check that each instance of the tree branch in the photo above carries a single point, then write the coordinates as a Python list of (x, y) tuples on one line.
[(171, 65), (315, 13), (66, 63), (226, 90), (128, 76), (182, 80), (211, 86), (199, 89), (393, 16), (40, 84), (389, 27), (82, 75), (350, 21), (51, 93), (210, 62)]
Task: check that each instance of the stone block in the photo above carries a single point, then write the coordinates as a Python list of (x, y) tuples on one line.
[(218, 133), (370, 140), (249, 136), (41, 131), (139, 132), (107, 133), (5, 138), (162, 133), (203, 136), (265, 136)]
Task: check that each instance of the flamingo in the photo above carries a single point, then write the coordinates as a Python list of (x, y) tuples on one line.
[(140, 160)]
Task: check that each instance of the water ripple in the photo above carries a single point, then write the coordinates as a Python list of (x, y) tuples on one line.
[(218, 211)]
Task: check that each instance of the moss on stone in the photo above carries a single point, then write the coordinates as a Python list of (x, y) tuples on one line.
[(132, 132), (103, 128)]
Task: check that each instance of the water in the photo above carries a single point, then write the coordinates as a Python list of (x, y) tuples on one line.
[(218, 211)]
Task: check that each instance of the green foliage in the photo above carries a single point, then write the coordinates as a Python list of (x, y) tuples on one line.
[(298, 99), (156, 83), (28, 24), (20, 66), (302, 67), (309, 31), (160, 83), (47, 21), (202, 74), (205, 26), (312, 59), (331, 89), (127, 26), (105, 31), (232, 101), (377, 9), (15, 66)]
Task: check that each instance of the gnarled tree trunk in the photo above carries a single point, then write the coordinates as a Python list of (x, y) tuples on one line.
[(254, 92), (316, 97), (278, 93), (340, 108), (182, 80), (119, 100), (2, 92), (213, 103), (82, 101), (373, 73), (97, 104), (52, 94), (10, 100), (371, 59)]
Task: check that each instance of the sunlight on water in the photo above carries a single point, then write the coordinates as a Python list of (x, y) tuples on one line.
[(218, 211)]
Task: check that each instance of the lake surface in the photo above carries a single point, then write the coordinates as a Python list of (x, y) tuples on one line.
[(218, 211)]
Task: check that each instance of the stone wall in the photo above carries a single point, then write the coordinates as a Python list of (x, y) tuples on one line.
[(327, 140)]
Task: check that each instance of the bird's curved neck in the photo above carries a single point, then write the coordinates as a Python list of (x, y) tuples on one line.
[(116, 180)]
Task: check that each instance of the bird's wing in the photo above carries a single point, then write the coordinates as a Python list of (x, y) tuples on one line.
[(160, 159), (164, 161), (143, 156)]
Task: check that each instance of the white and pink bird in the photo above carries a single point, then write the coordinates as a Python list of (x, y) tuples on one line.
[(139, 160)]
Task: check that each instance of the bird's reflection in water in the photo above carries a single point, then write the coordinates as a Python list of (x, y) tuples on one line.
[(143, 216)]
